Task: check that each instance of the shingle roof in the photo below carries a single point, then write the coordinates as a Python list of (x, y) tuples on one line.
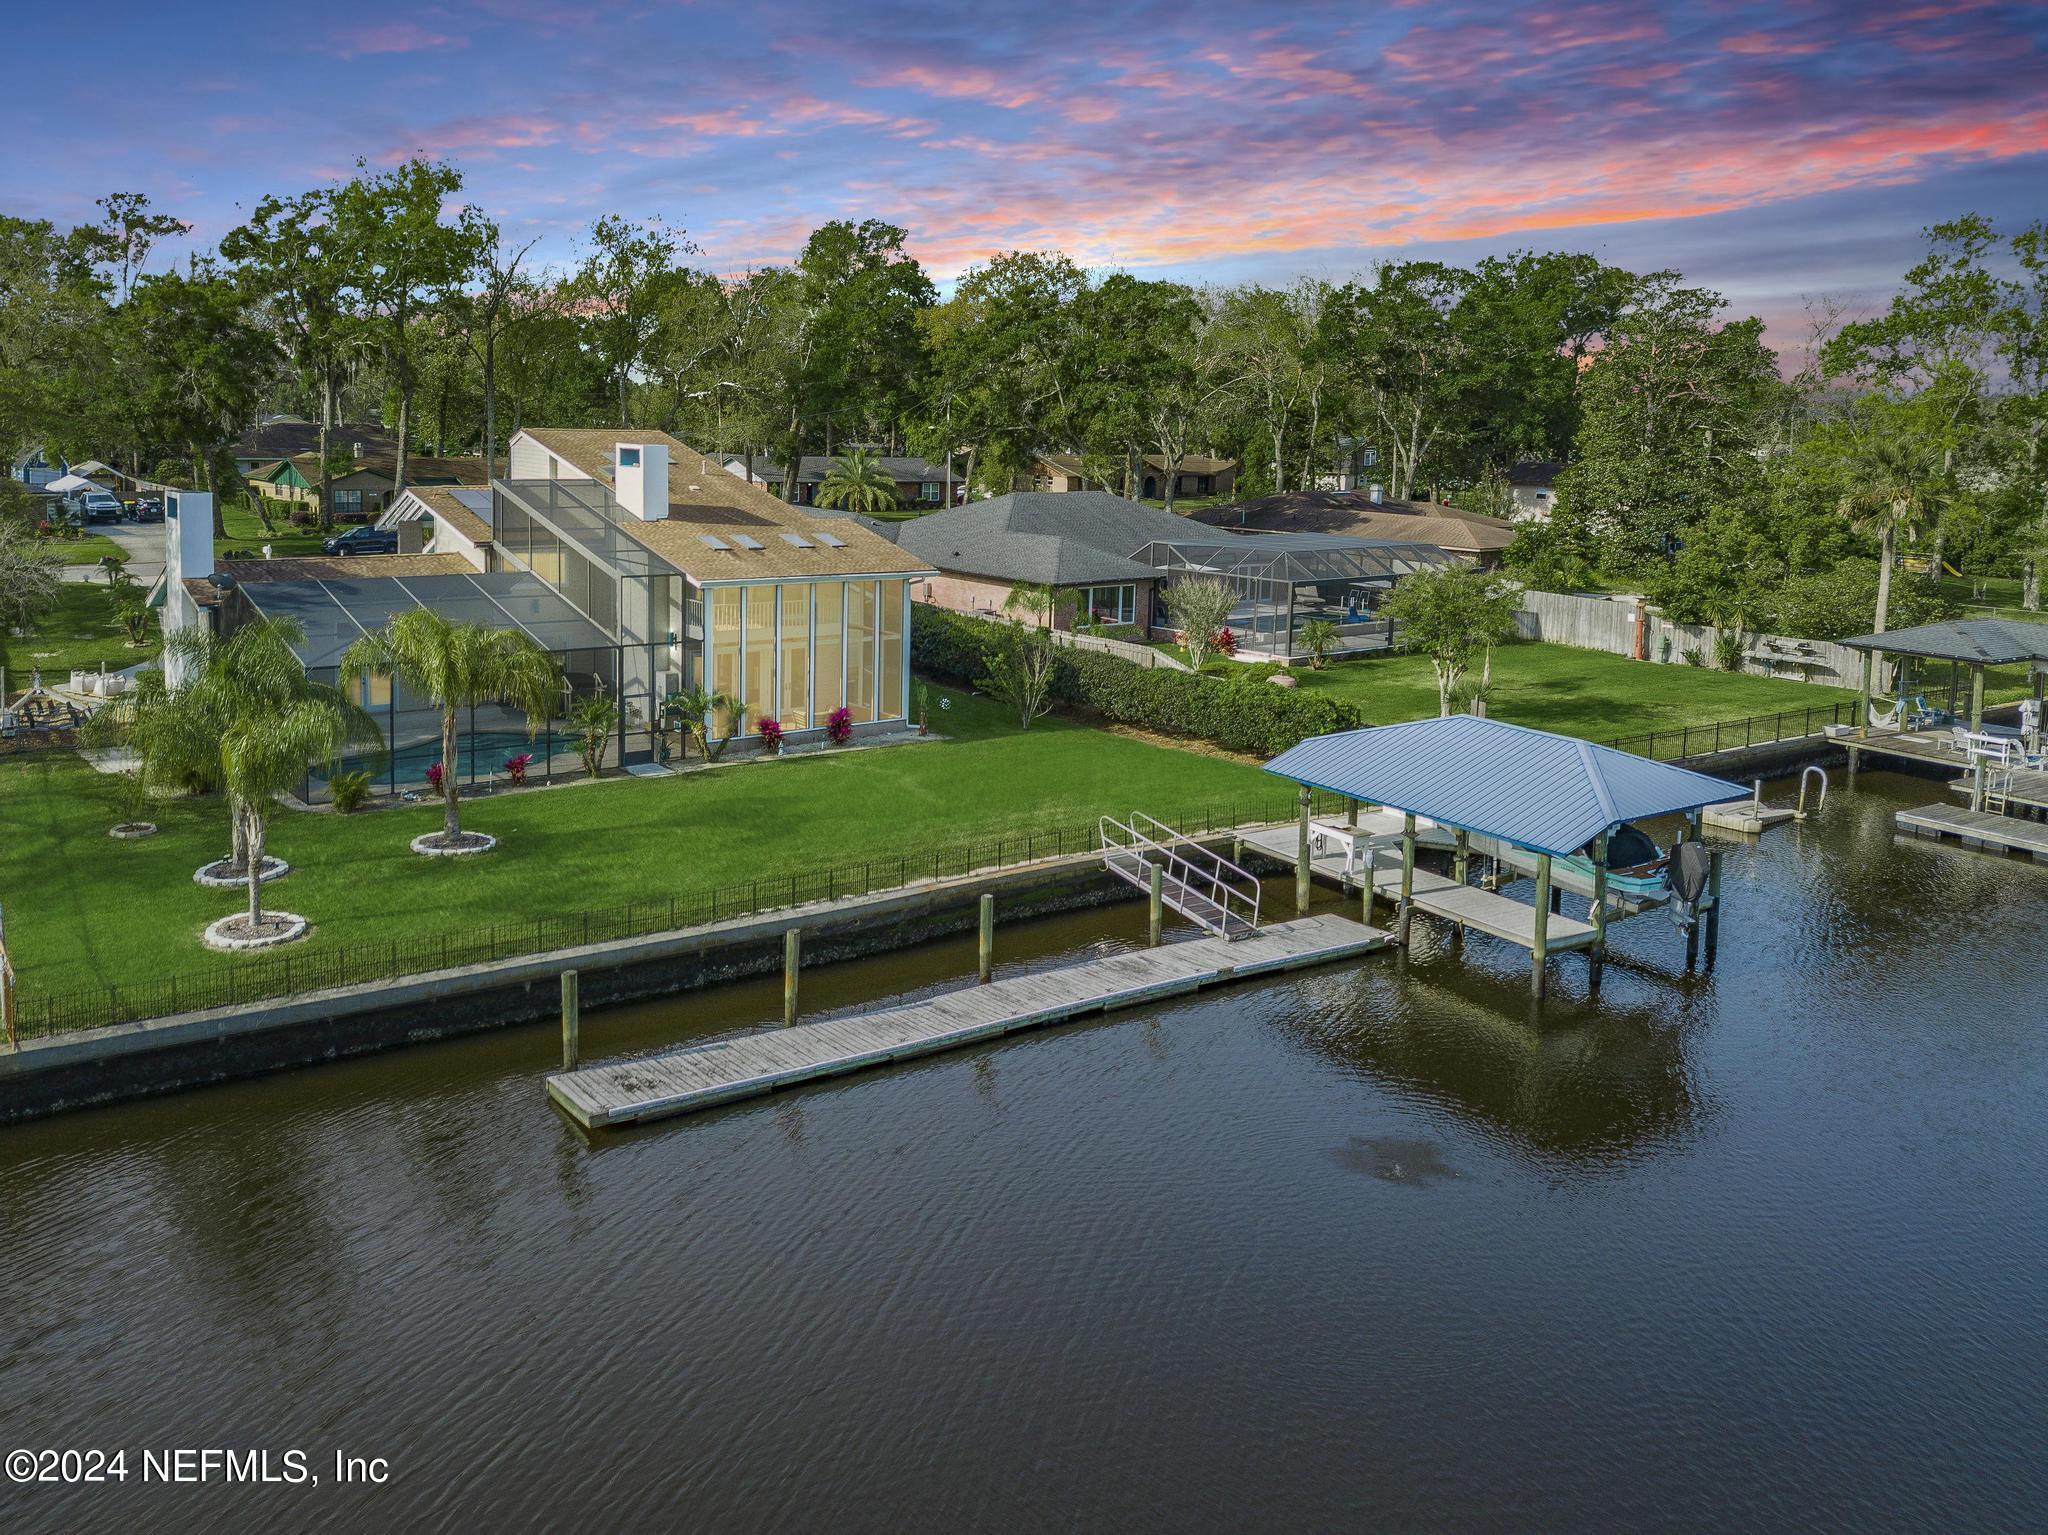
[(1061, 539), (449, 504), (1975, 641), (1540, 472), (1357, 516), (288, 439), (1550, 793), (1194, 463), (353, 567), (706, 499), (812, 468)]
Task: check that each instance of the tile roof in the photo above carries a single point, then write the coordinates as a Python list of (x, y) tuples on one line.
[(705, 500)]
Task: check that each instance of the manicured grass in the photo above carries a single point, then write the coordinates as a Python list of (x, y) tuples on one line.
[(89, 549), (1584, 693), (245, 531), (83, 909), (81, 631)]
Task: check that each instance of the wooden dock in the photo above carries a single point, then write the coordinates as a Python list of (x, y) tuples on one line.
[(1977, 828), (701, 1076), (1485, 911)]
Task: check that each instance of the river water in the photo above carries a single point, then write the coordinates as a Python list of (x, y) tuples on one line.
[(1360, 1248)]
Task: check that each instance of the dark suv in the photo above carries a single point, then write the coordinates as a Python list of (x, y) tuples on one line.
[(363, 541)]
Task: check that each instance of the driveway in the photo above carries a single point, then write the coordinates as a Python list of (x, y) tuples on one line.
[(143, 542)]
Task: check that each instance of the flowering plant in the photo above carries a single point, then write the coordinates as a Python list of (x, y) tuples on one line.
[(1223, 642), (517, 766), (771, 734), (839, 726), (434, 777)]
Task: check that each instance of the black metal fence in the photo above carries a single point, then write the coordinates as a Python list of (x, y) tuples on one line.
[(1683, 741), (41, 1013)]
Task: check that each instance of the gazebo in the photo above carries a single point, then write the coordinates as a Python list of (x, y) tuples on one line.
[(1555, 796), (1975, 643)]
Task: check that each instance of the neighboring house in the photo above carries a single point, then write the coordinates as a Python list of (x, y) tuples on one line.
[(35, 468), (282, 437), (1532, 485), (1470, 537), (1108, 559), (1063, 473), (364, 488), (919, 482), (643, 566), (1355, 466)]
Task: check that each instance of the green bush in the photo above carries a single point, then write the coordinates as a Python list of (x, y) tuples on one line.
[(349, 790), (1258, 720)]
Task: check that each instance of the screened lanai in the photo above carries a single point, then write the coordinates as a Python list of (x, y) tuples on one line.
[(335, 612), (1284, 581)]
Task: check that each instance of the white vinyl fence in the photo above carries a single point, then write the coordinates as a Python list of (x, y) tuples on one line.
[(1611, 623)]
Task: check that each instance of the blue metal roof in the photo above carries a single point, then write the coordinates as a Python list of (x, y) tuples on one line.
[(1548, 793)]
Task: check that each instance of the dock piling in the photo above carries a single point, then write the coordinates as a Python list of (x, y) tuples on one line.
[(792, 961), (1155, 903), (1713, 905), (1301, 861), (1539, 946), (986, 967), (572, 1021), (1596, 952), (1407, 878)]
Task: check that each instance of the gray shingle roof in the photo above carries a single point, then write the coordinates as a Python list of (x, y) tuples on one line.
[(1974, 641), (1078, 537), (812, 468)]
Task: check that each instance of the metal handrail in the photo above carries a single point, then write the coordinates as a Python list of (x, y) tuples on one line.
[(1189, 877)]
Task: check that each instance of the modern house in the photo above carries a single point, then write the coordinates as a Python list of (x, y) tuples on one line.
[(1532, 484), (280, 437), (919, 482), (643, 566), (1196, 476), (1470, 537), (363, 488), (1107, 559)]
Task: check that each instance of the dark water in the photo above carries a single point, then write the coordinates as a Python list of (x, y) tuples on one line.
[(1360, 1250)]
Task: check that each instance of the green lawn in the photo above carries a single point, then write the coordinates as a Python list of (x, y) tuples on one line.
[(1585, 693), (81, 631), (88, 549), (85, 909), (245, 531)]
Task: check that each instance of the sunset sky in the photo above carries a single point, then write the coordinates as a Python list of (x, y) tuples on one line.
[(1770, 150)]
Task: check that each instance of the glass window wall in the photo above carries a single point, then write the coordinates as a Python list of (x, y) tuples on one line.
[(892, 650), (795, 707), (860, 650), (829, 654), (758, 676)]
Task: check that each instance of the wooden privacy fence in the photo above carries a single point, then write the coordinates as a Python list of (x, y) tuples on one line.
[(1609, 624)]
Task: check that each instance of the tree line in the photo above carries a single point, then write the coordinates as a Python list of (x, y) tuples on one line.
[(1699, 471)]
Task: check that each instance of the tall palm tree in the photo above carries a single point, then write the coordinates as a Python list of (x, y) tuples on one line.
[(857, 483), (455, 667), (1899, 491)]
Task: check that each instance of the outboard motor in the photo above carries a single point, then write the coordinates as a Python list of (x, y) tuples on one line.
[(1690, 865)]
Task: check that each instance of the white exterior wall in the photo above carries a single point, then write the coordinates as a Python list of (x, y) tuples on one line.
[(188, 556)]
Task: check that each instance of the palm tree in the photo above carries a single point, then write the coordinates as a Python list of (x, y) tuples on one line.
[(1318, 637), (249, 722), (858, 483), (456, 667), (1034, 599), (1899, 491), (698, 707)]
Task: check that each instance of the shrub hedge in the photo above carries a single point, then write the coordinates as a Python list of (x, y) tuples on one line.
[(1245, 715)]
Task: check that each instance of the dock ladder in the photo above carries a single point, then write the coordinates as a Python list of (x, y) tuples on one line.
[(1206, 888)]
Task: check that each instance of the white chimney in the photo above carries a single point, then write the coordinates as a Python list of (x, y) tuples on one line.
[(188, 556), (640, 479)]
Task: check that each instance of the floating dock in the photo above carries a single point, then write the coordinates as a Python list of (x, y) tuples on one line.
[(702, 1076), (1977, 828)]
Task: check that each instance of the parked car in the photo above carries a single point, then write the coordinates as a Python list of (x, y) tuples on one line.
[(365, 540), (98, 506), (149, 510)]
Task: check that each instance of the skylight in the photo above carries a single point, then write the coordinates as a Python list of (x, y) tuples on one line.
[(709, 542), (831, 541), (746, 542), (797, 540)]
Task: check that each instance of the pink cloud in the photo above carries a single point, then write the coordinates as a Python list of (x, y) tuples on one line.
[(393, 37)]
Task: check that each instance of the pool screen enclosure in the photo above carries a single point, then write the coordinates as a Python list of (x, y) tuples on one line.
[(1284, 581)]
